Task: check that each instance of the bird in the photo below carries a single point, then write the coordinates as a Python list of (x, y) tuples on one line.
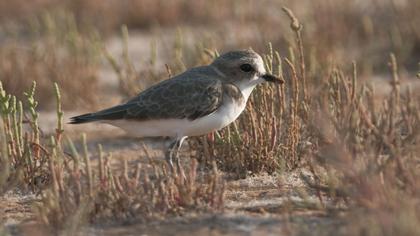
[(196, 102)]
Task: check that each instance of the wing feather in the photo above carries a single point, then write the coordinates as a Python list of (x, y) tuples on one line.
[(189, 95)]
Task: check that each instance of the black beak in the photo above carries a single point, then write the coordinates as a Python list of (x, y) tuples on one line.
[(272, 79)]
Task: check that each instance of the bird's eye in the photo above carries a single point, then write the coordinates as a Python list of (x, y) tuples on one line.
[(246, 68)]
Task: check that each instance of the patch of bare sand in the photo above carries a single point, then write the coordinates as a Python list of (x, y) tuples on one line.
[(15, 207), (259, 205)]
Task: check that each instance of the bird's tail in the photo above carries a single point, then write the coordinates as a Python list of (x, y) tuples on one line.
[(113, 113), (85, 118)]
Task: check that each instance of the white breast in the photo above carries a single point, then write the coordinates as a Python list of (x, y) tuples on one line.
[(222, 117)]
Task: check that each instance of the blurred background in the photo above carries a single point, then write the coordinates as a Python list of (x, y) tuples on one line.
[(88, 45), (357, 141)]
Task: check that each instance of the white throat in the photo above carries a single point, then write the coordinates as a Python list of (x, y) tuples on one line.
[(247, 87)]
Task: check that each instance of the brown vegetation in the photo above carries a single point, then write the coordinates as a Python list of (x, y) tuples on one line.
[(327, 119)]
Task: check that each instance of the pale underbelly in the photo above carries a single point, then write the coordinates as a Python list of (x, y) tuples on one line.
[(181, 127)]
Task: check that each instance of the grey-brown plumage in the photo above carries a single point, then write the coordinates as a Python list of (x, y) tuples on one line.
[(192, 94), (196, 102)]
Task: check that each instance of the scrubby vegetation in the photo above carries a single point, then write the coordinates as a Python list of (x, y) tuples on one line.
[(354, 146), (52, 50)]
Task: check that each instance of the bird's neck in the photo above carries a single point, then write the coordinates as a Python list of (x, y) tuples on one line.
[(246, 92), (247, 87)]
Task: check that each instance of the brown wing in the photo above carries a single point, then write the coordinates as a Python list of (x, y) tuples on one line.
[(177, 98), (188, 95)]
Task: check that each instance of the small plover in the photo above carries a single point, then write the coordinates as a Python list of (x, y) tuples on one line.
[(198, 101)]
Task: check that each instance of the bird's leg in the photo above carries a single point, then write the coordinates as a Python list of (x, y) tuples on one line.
[(173, 153), (178, 148), (169, 154)]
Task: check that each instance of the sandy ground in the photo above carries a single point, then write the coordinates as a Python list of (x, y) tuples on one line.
[(261, 205)]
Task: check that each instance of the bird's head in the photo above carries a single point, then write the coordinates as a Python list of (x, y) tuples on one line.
[(243, 68)]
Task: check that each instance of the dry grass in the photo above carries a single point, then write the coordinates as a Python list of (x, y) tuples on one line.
[(134, 13), (361, 31), (52, 50), (370, 162), (76, 189), (105, 194)]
